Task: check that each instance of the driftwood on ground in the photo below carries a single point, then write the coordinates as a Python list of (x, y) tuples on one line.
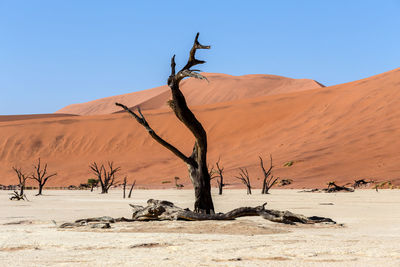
[(332, 188), (361, 183), (158, 210)]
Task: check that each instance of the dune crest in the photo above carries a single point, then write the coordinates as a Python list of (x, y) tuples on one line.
[(221, 88)]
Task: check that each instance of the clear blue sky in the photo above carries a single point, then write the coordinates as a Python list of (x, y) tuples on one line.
[(54, 53)]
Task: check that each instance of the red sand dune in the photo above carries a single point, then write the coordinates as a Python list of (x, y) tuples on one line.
[(221, 88), (339, 133), (31, 116)]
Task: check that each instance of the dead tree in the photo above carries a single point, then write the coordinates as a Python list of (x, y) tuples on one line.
[(285, 182), (157, 210), (106, 178), (269, 180), (22, 177), (244, 178), (218, 174), (130, 191), (93, 183), (360, 183), (178, 186), (124, 185), (197, 161), (41, 176), (333, 187)]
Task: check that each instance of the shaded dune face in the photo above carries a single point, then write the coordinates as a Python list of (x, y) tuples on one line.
[(340, 133), (220, 88)]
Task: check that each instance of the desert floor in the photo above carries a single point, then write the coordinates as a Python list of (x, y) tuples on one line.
[(370, 235)]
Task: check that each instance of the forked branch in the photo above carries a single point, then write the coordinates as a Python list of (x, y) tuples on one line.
[(192, 61)]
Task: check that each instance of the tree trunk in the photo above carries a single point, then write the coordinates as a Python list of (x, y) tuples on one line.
[(40, 190), (104, 190), (264, 186), (202, 189), (130, 191), (249, 190)]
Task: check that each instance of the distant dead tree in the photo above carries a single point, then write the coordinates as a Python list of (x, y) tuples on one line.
[(124, 186), (178, 186), (360, 183), (105, 177), (333, 187), (130, 191), (197, 161), (83, 186), (41, 176), (244, 178), (218, 174), (285, 182), (92, 183), (269, 180), (22, 177)]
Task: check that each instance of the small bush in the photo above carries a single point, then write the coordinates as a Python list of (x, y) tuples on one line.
[(288, 164)]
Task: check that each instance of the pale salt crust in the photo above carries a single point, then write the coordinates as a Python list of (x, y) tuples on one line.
[(370, 235)]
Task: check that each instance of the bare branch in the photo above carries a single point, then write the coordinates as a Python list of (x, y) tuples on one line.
[(155, 136), (192, 59)]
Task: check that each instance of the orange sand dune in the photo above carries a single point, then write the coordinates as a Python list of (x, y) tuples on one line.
[(339, 133), (221, 88), (31, 116)]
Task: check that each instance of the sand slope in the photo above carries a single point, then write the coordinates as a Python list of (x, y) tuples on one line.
[(337, 133), (221, 88), (31, 116)]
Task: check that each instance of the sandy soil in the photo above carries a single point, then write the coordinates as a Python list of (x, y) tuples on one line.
[(370, 235)]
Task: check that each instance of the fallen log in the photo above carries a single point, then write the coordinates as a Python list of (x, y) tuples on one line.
[(161, 210), (332, 188)]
